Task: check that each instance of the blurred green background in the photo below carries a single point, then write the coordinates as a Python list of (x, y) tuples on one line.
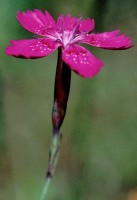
[(98, 159)]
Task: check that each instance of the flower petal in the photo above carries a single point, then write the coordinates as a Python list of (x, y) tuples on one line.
[(108, 40), (35, 48), (87, 25), (68, 22), (36, 21), (82, 61)]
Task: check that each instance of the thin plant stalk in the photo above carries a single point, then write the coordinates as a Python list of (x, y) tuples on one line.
[(61, 94)]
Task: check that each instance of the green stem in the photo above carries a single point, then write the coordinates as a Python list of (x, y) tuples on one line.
[(45, 189), (53, 158), (53, 154)]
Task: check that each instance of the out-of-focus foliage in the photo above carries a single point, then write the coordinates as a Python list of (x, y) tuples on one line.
[(98, 159)]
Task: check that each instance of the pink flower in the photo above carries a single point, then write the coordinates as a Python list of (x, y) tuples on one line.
[(67, 33)]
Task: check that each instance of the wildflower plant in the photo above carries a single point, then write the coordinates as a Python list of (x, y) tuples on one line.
[(66, 34)]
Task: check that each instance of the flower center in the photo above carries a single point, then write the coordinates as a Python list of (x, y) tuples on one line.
[(69, 37), (66, 33)]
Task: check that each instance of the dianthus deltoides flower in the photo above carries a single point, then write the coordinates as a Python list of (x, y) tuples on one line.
[(65, 35), (68, 33)]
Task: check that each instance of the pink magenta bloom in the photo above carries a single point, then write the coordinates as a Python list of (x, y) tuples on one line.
[(67, 33)]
